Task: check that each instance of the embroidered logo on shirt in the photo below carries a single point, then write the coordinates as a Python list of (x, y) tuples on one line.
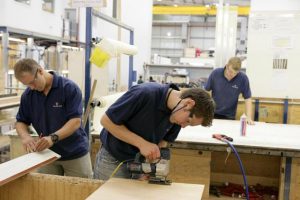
[(57, 105), (235, 87)]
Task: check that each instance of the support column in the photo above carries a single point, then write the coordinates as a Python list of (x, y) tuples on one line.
[(226, 28)]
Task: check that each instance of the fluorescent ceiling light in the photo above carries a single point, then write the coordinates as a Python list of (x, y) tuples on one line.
[(69, 47)]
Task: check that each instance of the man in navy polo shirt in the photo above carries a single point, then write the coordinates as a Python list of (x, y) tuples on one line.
[(53, 106), (226, 85), (144, 119)]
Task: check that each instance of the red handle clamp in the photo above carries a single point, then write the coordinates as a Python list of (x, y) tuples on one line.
[(222, 137)]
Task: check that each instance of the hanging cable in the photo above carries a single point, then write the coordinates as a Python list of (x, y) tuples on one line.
[(228, 140)]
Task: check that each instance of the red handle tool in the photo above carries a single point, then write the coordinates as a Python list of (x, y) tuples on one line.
[(222, 137)]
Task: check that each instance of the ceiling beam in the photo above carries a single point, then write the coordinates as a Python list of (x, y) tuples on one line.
[(194, 10)]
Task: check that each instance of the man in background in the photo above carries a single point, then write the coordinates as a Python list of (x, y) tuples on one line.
[(53, 106), (226, 84), (140, 81)]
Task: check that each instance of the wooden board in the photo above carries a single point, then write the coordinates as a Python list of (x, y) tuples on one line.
[(20, 166), (127, 189)]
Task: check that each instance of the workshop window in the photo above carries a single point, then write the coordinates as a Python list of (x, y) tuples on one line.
[(24, 1), (48, 5)]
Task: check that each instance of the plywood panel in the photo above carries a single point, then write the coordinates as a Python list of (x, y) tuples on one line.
[(265, 166), (191, 166), (272, 113), (295, 179), (294, 114), (127, 189), (48, 187)]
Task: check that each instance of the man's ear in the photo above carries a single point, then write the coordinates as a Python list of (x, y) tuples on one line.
[(190, 103), (41, 70)]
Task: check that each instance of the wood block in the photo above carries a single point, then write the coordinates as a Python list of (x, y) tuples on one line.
[(127, 189)]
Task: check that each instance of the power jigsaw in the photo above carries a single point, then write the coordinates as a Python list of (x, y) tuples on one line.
[(157, 171)]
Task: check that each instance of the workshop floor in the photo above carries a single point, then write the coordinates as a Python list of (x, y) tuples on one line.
[(212, 197), (219, 198)]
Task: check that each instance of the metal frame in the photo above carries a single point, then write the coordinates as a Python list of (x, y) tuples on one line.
[(5, 30), (88, 38)]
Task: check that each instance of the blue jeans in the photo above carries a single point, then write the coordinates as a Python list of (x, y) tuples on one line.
[(105, 164)]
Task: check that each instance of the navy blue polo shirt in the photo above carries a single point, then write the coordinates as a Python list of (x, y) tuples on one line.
[(48, 114), (226, 93), (143, 110)]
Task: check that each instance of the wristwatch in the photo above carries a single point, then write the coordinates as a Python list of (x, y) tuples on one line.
[(54, 138)]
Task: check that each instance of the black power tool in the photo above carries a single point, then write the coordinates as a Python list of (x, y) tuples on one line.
[(157, 171)]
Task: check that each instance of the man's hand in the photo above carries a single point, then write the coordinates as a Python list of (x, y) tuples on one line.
[(249, 121), (150, 151), (29, 144), (44, 143)]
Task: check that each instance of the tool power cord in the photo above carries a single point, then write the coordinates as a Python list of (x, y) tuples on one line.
[(118, 167), (241, 166)]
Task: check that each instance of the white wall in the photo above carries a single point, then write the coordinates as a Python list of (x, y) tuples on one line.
[(274, 33), (134, 13), (274, 5), (32, 17), (138, 14)]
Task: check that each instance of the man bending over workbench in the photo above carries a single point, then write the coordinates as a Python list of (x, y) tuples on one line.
[(144, 119)]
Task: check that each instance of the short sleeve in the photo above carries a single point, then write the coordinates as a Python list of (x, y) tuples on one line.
[(24, 109), (73, 101), (246, 91)]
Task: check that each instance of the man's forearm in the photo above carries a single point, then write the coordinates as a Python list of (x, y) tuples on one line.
[(69, 128), (248, 108), (22, 129)]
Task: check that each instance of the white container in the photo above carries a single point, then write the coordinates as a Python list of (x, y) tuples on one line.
[(243, 122)]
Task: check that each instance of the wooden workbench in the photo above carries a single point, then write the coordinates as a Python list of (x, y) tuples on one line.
[(270, 153)]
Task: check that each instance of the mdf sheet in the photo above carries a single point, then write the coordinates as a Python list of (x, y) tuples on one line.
[(127, 189), (20, 166), (262, 135)]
